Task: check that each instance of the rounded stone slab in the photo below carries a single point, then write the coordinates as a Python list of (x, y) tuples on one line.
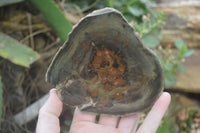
[(104, 68)]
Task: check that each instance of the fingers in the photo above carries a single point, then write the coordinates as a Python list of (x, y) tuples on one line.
[(154, 117), (48, 116), (128, 124), (108, 120), (83, 116), (53, 105)]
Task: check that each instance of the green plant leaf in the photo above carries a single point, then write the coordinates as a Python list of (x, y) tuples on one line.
[(129, 17), (54, 16), (188, 53), (1, 100), (16, 52), (179, 43), (184, 49), (170, 79), (161, 15), (168, 66), (150, 41), (136, 11), (8, 2), (157, 33)]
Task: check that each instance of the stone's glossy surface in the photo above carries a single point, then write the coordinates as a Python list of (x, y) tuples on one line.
[(104, 68)]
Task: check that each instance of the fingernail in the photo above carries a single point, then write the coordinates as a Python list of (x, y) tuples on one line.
[(166, 94), (53, 91)]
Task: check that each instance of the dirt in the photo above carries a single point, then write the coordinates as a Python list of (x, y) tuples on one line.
[(23, 86)]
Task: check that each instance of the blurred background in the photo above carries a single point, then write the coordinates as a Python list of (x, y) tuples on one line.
[(31, 31)]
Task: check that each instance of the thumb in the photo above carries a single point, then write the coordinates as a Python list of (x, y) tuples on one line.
[(48, 115)]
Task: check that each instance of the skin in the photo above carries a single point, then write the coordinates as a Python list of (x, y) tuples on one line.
[(83, 122)]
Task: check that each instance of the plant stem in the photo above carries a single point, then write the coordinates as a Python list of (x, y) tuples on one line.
[(148, 29), (177, 64), (54, 16)]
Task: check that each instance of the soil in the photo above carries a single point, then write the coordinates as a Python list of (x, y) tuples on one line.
[(23, 86)]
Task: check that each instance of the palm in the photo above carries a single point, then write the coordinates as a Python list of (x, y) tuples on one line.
[(85, 123)]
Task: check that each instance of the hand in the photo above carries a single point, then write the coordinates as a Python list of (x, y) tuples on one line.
[(83, 122)]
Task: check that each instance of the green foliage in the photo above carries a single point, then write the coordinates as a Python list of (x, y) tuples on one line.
[(179, 118), (167, 126), (150, 41), (147, 22), (188, 119), (179, 44), (16, 52), (149, 29), (55, 17), (133, 10), (183, 49), (170, 79), (172, 61)]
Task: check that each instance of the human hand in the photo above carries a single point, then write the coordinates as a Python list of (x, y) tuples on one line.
[(85, 122)]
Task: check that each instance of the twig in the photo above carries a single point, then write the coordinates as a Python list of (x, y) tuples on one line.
[(90, 6), (30, 30), (35, 33), (47, 48)]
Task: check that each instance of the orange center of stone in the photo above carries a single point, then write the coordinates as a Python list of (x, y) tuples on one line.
[(110, 70)]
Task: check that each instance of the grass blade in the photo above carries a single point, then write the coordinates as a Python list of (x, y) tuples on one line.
[(54, 16), (16, 52)]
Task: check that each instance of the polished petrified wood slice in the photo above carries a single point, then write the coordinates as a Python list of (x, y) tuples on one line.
[(104, 67)]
